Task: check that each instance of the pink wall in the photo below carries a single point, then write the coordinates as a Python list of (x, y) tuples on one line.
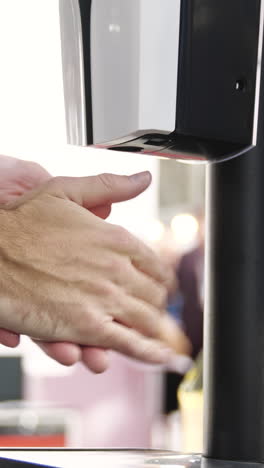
[(117, 408)]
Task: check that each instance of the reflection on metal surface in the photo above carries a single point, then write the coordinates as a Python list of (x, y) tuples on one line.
[(113, 459), (73, 71), (134, 79), (175, 461), (104, 459)]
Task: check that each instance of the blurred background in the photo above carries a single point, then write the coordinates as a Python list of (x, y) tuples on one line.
[(131, 405)]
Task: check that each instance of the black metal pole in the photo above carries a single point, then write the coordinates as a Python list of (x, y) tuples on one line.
[(234, 316)]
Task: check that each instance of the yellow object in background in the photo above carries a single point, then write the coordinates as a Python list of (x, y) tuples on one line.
[(190, 397)]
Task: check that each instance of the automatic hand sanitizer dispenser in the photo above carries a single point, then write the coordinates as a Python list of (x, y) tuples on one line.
[(184, 79), (170, 77)]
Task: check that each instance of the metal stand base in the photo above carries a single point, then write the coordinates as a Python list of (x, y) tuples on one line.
[(111, 459)]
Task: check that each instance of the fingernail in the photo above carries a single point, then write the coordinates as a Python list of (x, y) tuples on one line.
[(141, 177)]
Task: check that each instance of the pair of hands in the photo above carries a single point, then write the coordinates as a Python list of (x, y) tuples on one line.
[(72, 282)]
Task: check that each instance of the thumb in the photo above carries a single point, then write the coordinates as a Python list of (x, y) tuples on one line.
[(100, 190)]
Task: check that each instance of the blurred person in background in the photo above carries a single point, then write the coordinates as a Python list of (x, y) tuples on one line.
[(185, 308), (190, 275)]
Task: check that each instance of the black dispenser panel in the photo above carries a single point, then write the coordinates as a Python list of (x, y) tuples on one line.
[(218, 69)]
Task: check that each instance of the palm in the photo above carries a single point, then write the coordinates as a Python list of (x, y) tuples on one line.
[(16, 178)]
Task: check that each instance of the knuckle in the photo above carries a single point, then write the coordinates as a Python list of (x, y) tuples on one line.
[(94, 327), (155, 295), (115, 266), (107, 181), (56, 185), (112, 299), (126, 274), (108, 335), (122, 237), (55, 182), (108, 290)]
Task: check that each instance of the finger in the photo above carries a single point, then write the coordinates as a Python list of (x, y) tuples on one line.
[(146, 261), (129, 342), (122, 307), (174, 336), (101, 190), (138, 315), (95, 359), (142, 257), (69, 354), (66, 354), (9, 339), (141, 286), (102, 212)]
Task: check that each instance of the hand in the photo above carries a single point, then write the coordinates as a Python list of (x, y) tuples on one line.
[(16, 178), (119, 310)]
